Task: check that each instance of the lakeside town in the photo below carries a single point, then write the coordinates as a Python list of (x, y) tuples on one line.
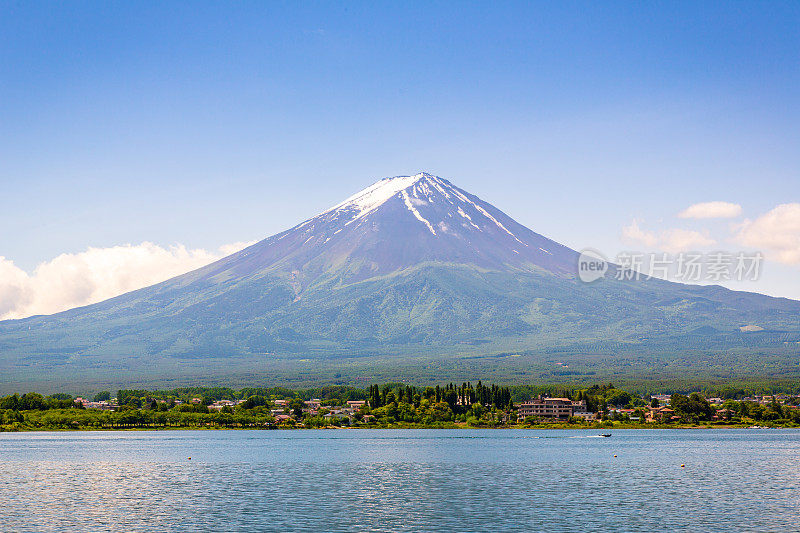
[(392, 405)]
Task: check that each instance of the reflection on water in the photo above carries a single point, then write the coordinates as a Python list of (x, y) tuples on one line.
[(401, 480)]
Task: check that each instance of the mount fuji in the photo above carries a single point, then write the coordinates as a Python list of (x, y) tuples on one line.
[(411, 276)]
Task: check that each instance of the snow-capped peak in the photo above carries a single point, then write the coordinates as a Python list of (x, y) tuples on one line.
[(406, 220), (369, 199), (419, 189)]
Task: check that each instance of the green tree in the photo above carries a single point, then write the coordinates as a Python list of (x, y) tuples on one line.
[(296, 406), (102, 396), (694, 407)]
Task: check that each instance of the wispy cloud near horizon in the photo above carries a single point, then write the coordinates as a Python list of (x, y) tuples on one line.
[(777, 232), (74, 280), (669, 240), (712, 210)]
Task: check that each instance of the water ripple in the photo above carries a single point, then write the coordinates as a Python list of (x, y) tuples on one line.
[(408, 480)]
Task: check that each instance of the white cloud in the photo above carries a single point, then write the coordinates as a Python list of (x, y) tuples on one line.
[(670, 240), (636, 235), (682, 240), (776, 233), (72, 280), (712, 210)]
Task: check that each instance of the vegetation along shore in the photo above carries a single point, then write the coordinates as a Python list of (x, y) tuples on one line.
[(396, 405)]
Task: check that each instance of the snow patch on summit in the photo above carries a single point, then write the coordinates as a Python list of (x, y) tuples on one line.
[(469, 218), (419, 190), (419, 217), (485, 213), (369, 199)]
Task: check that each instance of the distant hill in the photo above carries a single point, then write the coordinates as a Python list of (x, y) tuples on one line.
[(410, 277)]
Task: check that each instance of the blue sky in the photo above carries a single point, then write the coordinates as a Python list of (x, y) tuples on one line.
[(203, 124)]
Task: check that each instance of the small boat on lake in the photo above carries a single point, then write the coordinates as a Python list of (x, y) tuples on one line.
[(605, 434)]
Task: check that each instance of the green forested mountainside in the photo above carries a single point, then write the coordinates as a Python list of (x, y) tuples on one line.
[(442, 287), (433, 312)]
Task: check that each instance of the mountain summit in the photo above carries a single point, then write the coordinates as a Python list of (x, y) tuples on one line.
[(411, 276), (398, 223)]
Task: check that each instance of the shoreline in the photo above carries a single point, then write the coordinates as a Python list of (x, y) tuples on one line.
[(404, 427)]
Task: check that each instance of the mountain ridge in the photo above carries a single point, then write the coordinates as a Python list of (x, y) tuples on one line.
[(409, 267)]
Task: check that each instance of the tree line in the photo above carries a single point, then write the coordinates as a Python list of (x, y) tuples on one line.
[(387, 405), (456, 396)]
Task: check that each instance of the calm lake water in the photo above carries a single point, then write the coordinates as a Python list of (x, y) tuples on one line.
[(401, 480)]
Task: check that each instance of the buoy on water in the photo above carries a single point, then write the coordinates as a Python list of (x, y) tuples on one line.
[(615, 455), (190, 458)]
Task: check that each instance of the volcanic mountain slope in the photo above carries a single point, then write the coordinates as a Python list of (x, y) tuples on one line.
[(411, 265), (395, 224)]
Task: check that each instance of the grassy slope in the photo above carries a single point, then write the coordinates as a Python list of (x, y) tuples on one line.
[(429, 323)]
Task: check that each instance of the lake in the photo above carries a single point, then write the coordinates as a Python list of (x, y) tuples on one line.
[(401, 480)]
